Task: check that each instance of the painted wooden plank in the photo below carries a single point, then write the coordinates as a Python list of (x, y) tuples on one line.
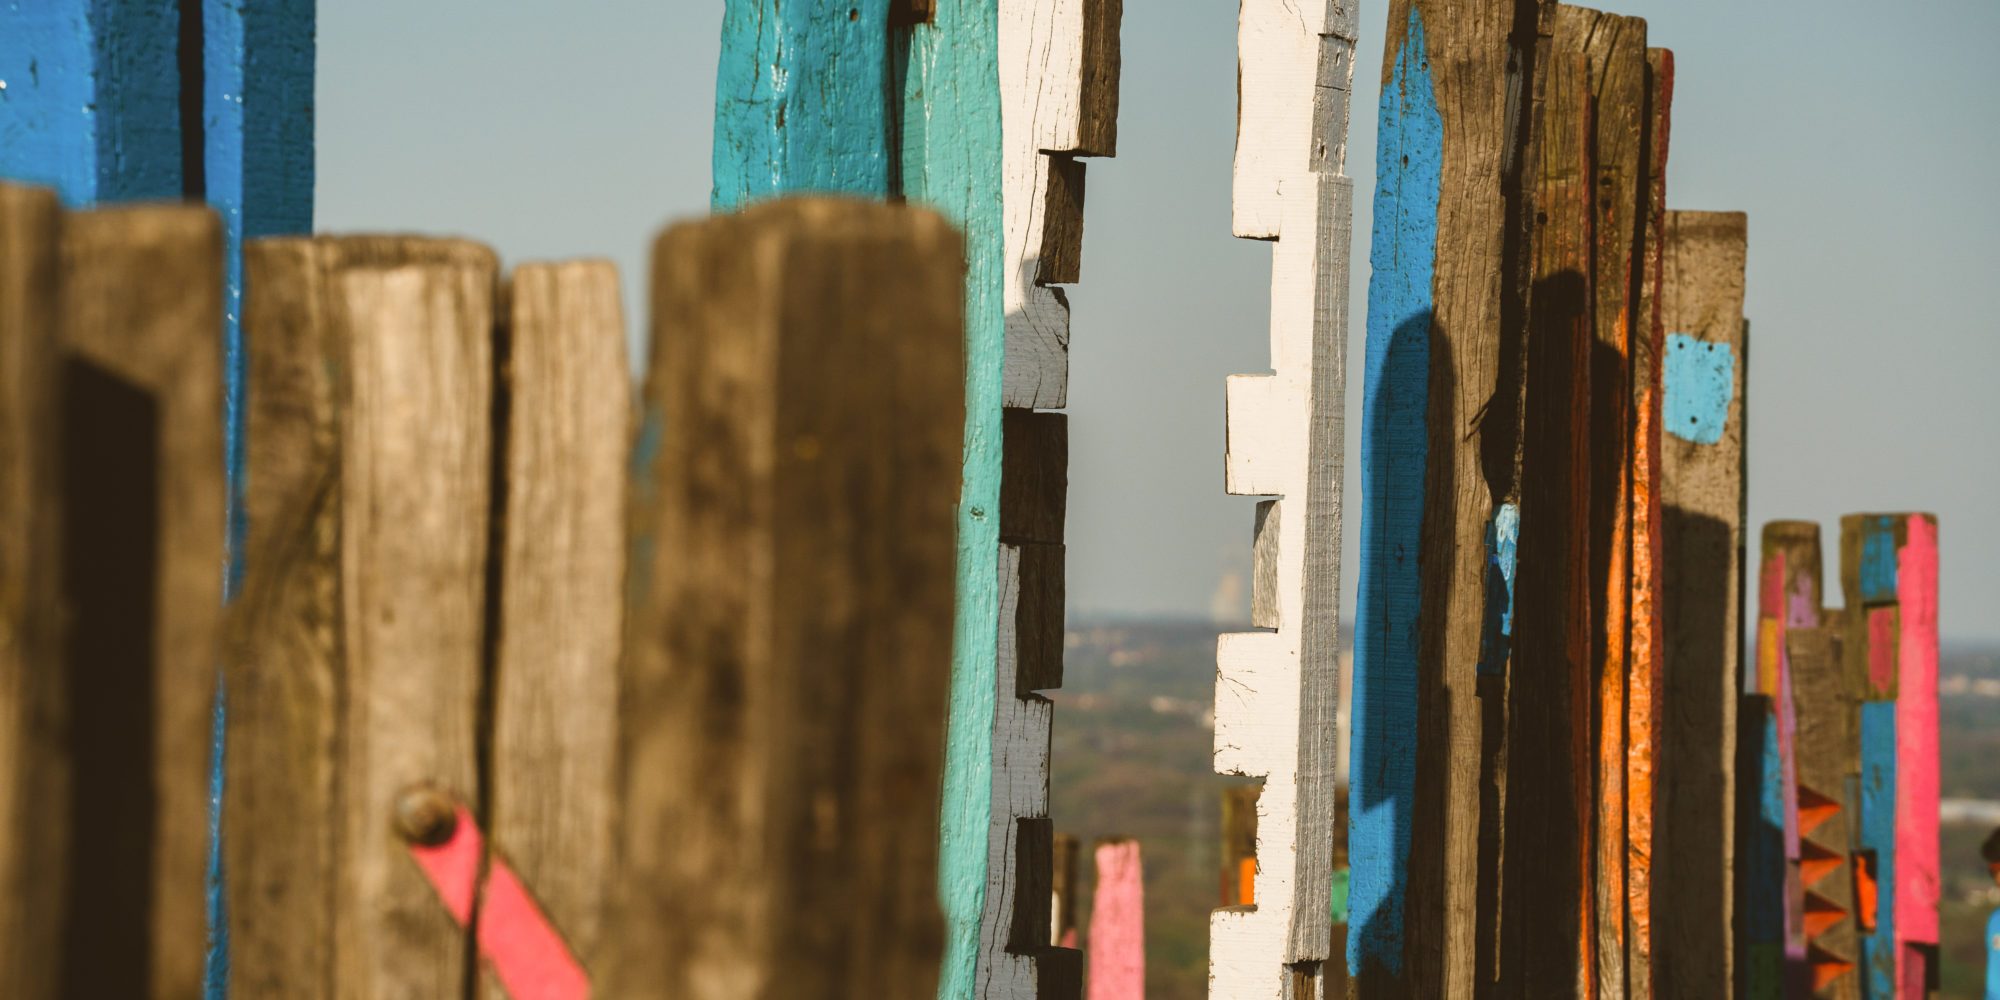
[(34, 757), (562, 578), (89, 104), (371, 414), (1277, 691), (801, 425), (1875, 843), (1065, 888), (1827, 747), (1436, 356), (1238, 877), (141, 320), (1646, 657), (1118, 923), (1545, 940), (1789, 597)]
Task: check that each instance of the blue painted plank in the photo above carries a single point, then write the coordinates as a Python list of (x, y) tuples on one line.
[(1700, 381), (1395, 395), (90, 104), (1878, 838), (1993, 956), (1878, 560)]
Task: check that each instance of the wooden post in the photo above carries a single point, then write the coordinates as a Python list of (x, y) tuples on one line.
[(1239, 845), (567, 418), (1828, 754), (361, 628), (1888, 570), (1118, 923), (90, 105), (1065, 889), (784, 682), (1788, 597), (1277, 690), (1438, 476), (34, 756), (1702, 494)]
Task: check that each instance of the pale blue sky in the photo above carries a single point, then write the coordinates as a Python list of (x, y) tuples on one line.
[(1862, 138)]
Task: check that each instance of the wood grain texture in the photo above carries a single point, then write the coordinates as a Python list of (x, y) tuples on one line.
[(370, 425), (1064, 886), (568, 412), (141, 319), (1545, 932), (1277, 692), (34, 762), (1645, 658), (1702, 493), (1828, 748), (1788, 597), (1436, 474), (784, 686)]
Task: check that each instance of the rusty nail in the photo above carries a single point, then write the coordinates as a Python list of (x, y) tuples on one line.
[(425, 815)]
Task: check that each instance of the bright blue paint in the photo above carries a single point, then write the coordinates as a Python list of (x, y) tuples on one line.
[(91, 100), (802, 100), (1700, 381), (1503, 535), (1394, 450), (257, 173), (1878, 560), (1765, 919), (1878, 834), (1993, 956)]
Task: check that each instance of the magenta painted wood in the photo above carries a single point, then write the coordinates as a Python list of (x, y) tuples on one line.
[(1917, 743), (1118, 924)]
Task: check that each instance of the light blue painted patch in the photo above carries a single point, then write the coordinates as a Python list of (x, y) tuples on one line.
[(802, 100), (1878, 560), (1877, 834), (1496, 638), (1993, 956), (1700, 382), (1394, 450), (257, 173), (91, 99)]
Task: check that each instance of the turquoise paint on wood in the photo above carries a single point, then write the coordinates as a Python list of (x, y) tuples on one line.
[(950, 152), (1993, 956), (257, 75), (802, 100), (90, 105), (1878, 561), (1700, 380), (1877, 839), (1394, 450)]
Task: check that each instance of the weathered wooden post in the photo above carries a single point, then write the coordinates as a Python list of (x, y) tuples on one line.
[(790, 594), (1118, 923), (1828, 748), (1277, 689), (1238, 877), (1788, 598), (1440, 467), (1888, 571), (1703, 409)]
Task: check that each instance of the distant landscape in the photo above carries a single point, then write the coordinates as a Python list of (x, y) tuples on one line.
[(1134, 732)]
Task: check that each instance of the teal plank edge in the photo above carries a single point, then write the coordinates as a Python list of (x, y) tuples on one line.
[(1877, 841), (1394, 453)]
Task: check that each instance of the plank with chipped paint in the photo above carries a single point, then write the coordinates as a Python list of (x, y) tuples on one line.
[(803, 425), (34, 760), (1788, 598), (1827, 748), (1277, 691), (1696, 851)]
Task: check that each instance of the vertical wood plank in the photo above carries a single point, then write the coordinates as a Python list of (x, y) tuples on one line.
[(1828, 752), (1277, 691), (1646, 657), (1064, 887), (1118, 923), (1435, 477), (1789, 597), (34, 760), (1238, 877), (567, 411), (784, 684), (1702, 492)]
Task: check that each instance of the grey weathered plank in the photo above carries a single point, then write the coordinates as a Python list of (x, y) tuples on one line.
[(34, 762), (1827, 751), (790, 608), (561, 551), (141, 321), (1702, 492)]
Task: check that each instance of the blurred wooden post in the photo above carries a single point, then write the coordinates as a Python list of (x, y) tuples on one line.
[(361, 626), (567, 423), (790, 608), (1064, 888), (1788, 597), (34, 756), (1238, 876), (1118, 923), (1828, 761), (1888, 571), (1702, 375)]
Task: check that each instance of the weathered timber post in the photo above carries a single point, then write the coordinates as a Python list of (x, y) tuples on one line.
[(357, 657), (1788, 597), (1238, 877), (785, 678), (34, 755), (1277, 690), (1118, 923), (1064, 888), (1888, 571), (1703, 409), (1828, 748), (1439, 463)]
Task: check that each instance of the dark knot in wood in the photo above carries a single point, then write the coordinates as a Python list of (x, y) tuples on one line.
[(425, 815)]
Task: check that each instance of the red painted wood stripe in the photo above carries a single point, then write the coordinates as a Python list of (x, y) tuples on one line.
[(515, 938)]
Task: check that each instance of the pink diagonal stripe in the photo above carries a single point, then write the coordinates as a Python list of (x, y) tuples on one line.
[(515, 938)]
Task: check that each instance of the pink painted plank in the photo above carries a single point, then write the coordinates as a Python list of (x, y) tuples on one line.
[(527, 954), (1118, 924), (1917, 736)]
